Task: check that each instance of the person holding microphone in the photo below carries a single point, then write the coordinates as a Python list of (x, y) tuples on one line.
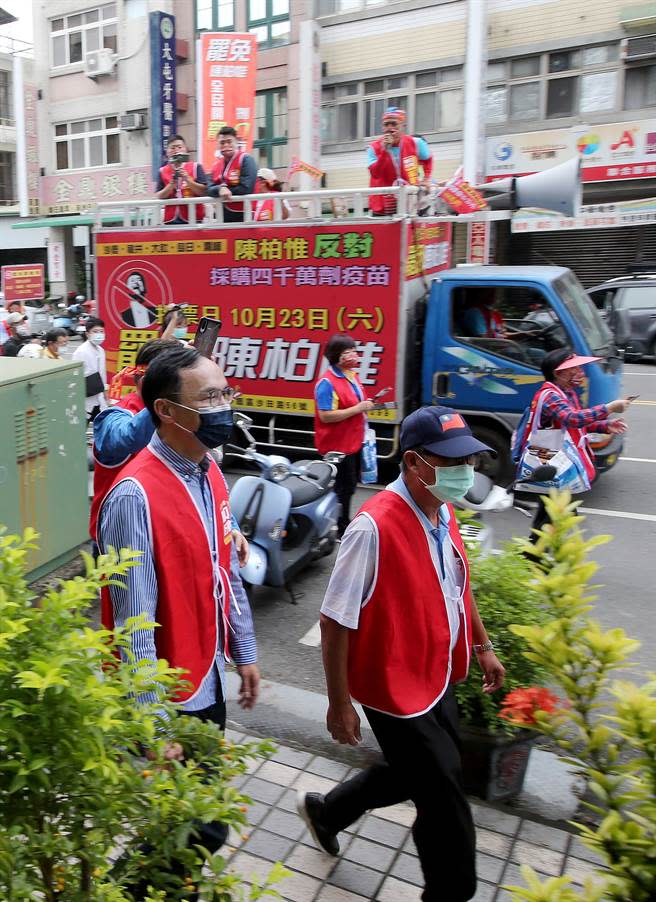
[(180, 177), (340, 417)]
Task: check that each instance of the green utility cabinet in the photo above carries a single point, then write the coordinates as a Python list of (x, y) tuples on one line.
[(43, 460)]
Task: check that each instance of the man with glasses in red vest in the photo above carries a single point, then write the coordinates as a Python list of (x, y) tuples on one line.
[(395, 159), (233, 174), (398, 628)]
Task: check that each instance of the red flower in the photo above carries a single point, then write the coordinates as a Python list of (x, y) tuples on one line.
[(521, 705)]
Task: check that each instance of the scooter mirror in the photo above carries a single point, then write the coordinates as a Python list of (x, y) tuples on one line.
[(481, 488)]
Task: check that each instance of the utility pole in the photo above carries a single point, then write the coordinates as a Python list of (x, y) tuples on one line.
[(473, 134)]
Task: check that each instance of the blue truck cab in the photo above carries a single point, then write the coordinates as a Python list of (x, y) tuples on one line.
[(486, 332)]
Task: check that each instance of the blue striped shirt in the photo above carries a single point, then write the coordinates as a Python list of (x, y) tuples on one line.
[(124, 524)]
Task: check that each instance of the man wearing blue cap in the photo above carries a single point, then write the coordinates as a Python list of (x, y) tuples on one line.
[(398, 624)]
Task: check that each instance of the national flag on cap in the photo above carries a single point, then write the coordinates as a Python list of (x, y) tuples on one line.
[(451, 421)]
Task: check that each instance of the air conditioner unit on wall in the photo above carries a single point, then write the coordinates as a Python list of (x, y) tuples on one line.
[(640, 48), (132, 122), (99, 62)]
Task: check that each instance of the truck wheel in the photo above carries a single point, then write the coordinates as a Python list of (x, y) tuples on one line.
[(500, 468)]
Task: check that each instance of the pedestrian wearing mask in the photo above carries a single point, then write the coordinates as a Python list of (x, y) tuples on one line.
[(340, 417), (175, 325), (398, 623), (55, 343), (92, 355), (171, 504), (561, 408), (20, 334)]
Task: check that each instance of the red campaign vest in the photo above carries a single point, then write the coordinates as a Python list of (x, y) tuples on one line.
[(387, 174), (399, 659), (171, 212), (263, 211), (104, 476), (493, 320), (347, 436), (188, 611), (578, 435), (229, 174)]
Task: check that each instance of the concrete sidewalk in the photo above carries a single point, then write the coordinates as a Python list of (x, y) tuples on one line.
[(378, 858)]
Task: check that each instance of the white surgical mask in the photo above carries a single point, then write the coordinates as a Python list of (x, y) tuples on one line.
[(97, 338), (451, 483)]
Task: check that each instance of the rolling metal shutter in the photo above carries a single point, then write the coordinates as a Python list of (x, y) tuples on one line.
[(594, 254)]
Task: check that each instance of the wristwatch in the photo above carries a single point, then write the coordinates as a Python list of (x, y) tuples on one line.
[(486, 646)]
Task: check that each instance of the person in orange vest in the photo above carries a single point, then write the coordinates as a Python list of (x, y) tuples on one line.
[(233, 174), (395, 159), (180, 178), (340, 417), (267, 183), (399, 627)]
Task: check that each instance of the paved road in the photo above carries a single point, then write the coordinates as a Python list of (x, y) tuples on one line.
[(622, 504)]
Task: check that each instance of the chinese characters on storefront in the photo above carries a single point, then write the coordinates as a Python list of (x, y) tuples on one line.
[(31, 149), (162, 85), (75, 192), (226, 90)]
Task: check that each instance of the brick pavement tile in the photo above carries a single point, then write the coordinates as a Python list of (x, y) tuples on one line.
[(383, 831), (579, 870), (493, 819), (394, 890), (370, 854), (404, 813), (488, 867), (485, 892), (578, 850), (356, 878), (250, 866), (262, 790), (336, 894), (512, 876), (284, 823), (409, 845), (299, 887), (311, 861), (287, 801), (312, 783), (253, 764), (278, 773), (268, 845), (325, 767), (541, 835), (407, 867), (545, 860), (239, 780), (233, 735), (493, 843), (291, 757), (256, 811)]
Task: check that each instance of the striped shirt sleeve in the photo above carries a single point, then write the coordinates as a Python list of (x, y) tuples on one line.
[(124, 524), (243, 646), (561, 412)]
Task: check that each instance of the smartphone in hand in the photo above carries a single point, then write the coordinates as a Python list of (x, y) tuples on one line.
[(206, 335)]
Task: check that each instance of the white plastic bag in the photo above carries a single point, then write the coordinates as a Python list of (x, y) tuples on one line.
[(368, 460)]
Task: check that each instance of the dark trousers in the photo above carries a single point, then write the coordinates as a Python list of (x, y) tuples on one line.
[(348, 473), (422, 763), (211, 836), (541, 517)]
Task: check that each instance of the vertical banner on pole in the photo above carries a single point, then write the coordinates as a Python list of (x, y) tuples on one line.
[(479, 242), (310, 100), (162, 85), (227, 69)]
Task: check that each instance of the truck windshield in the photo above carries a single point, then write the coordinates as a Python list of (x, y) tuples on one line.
[(584, 313)]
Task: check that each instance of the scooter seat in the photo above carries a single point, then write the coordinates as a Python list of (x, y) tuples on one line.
[(303, 491)]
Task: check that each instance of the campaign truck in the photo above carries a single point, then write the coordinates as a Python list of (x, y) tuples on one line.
[(471, 337)]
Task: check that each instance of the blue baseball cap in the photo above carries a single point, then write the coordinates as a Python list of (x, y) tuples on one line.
[(441, 431)]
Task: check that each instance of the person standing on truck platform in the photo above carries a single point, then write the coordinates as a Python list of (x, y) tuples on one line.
[(233, 174), (340, 418), (268, 183), (180, 179), (395, 159), (398, 623), (561, 408)]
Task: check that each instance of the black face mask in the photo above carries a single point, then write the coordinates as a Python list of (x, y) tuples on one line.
[(215, 424)]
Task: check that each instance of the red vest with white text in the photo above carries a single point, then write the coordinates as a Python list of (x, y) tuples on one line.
[(171, 212), (189, 601), (346, 436), (229, 174), (263, 210), (400, 659), (104, 475), (386, 173)]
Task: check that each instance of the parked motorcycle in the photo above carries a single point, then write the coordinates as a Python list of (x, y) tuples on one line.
[(288, 512)]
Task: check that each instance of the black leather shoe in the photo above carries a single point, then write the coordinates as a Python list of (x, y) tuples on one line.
[(310, 806)]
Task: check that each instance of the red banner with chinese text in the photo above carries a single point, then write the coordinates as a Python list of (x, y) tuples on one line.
[(226, 90), (429, 248), (23, 283), (279, 291)]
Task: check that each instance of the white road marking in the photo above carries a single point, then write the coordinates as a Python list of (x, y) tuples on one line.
[(640, 460), (625, 515), (312, 637), (645, 403)]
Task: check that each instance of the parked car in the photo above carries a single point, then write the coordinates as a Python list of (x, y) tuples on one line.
[(628, 304)]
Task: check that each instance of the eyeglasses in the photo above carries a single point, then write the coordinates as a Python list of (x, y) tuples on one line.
[(219, 396)]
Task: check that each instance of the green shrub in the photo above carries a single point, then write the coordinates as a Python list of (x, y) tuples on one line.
[(75, 786), (607, 729), (503, 587)]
